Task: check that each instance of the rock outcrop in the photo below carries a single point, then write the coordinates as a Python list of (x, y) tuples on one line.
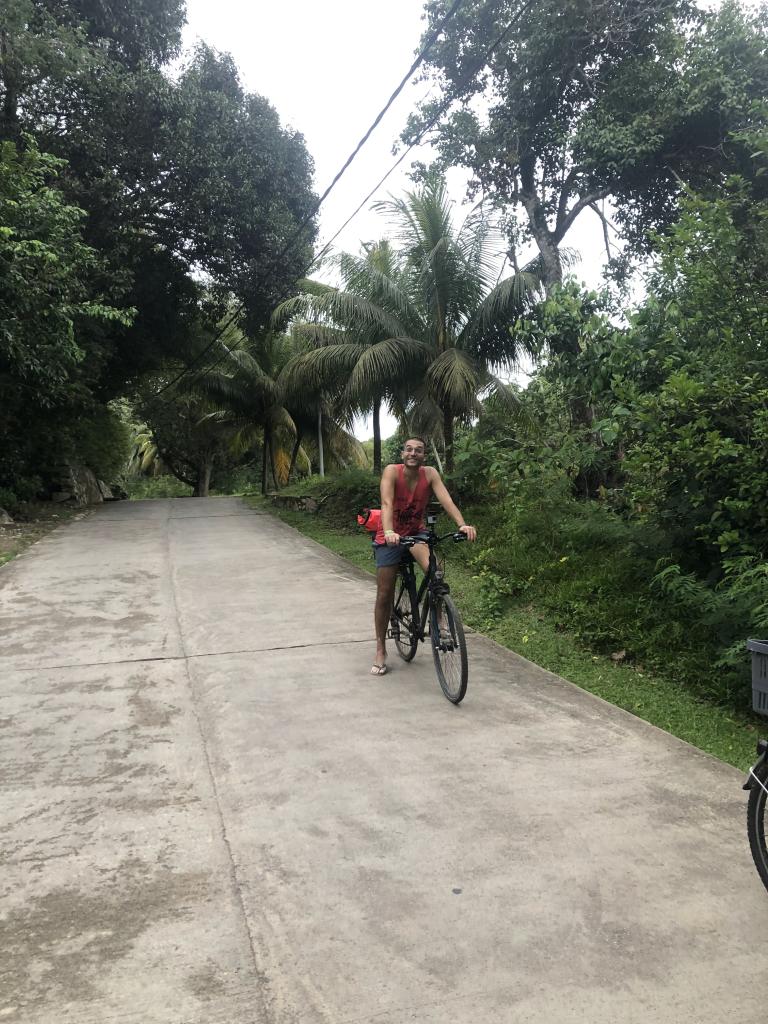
[(80, 486)]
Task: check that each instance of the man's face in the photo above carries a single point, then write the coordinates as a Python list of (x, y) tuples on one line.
[(413, 453)]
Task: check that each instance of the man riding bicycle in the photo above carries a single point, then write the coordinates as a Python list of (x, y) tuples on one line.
[(406, 489)]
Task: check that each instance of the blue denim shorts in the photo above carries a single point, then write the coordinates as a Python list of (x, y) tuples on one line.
[(389, 554)]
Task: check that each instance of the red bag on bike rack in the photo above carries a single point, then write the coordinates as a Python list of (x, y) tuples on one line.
[(370, 518)]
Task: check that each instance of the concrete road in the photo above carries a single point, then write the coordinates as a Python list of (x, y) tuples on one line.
[(212, 814)]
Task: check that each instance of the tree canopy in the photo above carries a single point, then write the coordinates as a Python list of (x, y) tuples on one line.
[(583, 101), (124, 191)]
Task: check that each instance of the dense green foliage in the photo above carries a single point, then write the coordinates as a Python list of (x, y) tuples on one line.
[(632, 484), (121, 190)]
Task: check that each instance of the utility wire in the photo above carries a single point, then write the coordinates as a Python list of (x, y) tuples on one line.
[(427, 128), (454, 95), (406, 77), (431, 40)]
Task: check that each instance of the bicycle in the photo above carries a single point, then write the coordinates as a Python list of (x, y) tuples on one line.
[(757, 784), (412, 608)]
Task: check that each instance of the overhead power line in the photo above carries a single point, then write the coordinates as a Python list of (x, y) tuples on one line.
[(427, 128), (431, 40)]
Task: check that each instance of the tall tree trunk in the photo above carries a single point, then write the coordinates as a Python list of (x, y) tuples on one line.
[(552, 269), (9, 118), (264, 460), (272, 463), (294, 455), (448, 435), (438, 460), (376, 437), (320, 438), (203, 482)]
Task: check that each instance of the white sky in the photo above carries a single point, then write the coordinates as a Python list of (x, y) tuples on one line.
[(328, 68)]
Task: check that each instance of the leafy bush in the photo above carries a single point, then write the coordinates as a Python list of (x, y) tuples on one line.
[(599, 575), (139, 487), (102, 441), (25, 489), (238, 479), (342, 495)]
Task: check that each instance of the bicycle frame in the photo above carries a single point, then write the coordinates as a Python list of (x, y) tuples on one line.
[(418, 604), (437, 620), (408, 572)]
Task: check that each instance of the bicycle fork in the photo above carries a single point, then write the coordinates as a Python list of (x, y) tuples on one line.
[(762, 750)]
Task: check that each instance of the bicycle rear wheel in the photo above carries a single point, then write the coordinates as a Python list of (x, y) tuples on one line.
[(402, 625), (449, 647), (756, 821)]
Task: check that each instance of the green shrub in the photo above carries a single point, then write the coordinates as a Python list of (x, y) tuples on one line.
[(24, 489), (342, 495), (139, 487), (598, 575), (237, 480), (102, 441)]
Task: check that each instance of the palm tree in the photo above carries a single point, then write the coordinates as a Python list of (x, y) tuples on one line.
[(246, 396), (342, 333), (427, 321)]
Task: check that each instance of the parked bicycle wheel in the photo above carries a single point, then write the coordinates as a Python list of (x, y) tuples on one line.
[(402, 626), (756, 820), (449, 648)]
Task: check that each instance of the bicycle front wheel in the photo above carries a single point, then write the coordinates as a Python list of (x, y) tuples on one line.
[(756, 821), (449, 647), (402, 627)]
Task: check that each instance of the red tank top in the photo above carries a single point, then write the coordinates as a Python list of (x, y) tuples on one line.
[(409, 506)]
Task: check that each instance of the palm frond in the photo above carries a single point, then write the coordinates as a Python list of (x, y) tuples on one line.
[(486, 334), (453, 381), (424, 416), (380, 366), (322, 368), (500, 394), (309, 334)]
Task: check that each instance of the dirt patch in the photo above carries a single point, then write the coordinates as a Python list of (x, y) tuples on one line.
[(37, 520)]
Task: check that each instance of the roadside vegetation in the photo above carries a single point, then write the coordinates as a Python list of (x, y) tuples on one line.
[(34, 520), (525, 621)]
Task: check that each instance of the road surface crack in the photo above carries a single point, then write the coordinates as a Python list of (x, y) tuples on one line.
[(207, 654)]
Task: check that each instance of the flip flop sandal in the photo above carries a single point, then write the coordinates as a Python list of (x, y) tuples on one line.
[(378, 670)]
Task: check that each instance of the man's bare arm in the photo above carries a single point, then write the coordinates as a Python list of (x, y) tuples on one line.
[(440, 491), (388, 500)]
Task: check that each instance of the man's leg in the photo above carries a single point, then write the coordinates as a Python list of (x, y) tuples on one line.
[(421, 553), (385, 598)]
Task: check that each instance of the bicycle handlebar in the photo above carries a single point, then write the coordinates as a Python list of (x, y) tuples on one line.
[(408, 542)]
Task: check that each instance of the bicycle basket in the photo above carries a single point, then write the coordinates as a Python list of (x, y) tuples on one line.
[(759, 652)]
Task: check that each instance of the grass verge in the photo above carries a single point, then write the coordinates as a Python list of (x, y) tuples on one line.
[(524, 629), (39, 519)]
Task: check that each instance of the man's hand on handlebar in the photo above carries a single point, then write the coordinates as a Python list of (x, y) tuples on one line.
[(391, 538), (469, 531)]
